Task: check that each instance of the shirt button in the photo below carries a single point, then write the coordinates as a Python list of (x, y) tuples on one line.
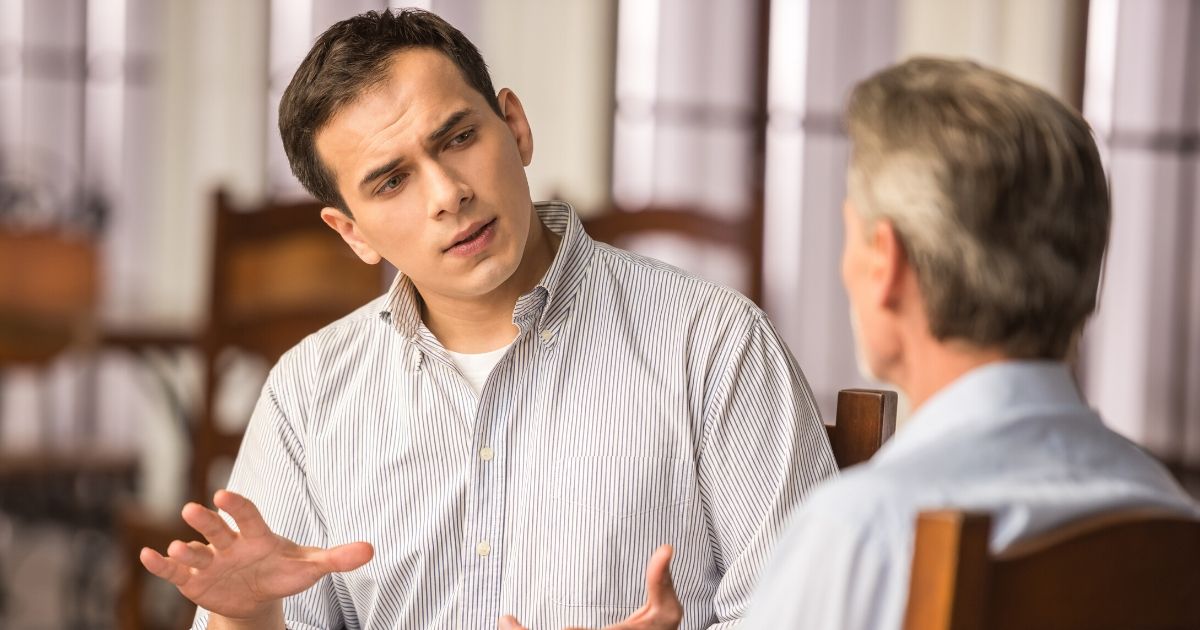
[(547, 335), (486, 453), (483, 548)]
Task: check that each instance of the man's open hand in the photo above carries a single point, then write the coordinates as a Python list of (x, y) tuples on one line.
[(662, 610), (243, 574)]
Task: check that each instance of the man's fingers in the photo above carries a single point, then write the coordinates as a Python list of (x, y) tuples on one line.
[(660, 588), (193, 554), (164, 568), (343, 557), (249, 521), (210, 525), (508, 622)]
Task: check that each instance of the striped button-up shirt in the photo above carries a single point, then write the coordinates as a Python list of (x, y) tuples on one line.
[(638, 406)]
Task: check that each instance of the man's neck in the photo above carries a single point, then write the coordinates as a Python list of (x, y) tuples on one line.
[(929, 365), (482, 324)]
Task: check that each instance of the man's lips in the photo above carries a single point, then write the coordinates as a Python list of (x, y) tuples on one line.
[(472, 237)]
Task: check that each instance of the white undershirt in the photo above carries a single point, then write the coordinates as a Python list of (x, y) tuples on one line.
[(476, 367)]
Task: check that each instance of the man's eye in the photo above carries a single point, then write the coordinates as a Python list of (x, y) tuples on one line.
[(462, 138), (392, 183)]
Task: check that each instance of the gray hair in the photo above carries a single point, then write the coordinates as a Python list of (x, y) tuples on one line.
[(997, 192)]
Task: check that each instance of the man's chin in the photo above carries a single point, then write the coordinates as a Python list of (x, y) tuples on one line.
[(488, 277)]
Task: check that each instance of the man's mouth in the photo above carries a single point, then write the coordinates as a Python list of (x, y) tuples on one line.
[(475, 240)]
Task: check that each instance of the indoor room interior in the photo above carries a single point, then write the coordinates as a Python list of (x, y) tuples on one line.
[(157, 255)]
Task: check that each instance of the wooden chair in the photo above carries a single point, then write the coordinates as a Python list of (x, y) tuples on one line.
[(1134, 569), (865, 419), (48, 294), (278, 274), (49, 288)]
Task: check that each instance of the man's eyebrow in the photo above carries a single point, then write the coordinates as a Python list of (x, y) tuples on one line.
[(451, 123), (376, 173)]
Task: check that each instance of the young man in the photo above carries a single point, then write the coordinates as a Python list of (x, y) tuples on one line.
[(976, 222), (527, 414)]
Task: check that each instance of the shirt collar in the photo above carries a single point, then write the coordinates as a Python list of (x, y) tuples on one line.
[(545, 306), (568, 269), (987, 396)]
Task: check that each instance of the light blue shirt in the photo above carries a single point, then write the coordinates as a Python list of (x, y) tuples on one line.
[(1013, 439)]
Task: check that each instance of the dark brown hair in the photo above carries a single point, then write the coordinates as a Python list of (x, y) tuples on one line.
[(998, 194), (350, 58)]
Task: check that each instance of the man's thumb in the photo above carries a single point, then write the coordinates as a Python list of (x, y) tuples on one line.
[(346, 557), (660, 588)]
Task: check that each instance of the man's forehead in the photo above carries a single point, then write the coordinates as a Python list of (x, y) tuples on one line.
[(424, 70), (418, 81), (422, 90)]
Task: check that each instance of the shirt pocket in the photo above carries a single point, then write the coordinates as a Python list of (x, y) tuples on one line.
[(608, 516)]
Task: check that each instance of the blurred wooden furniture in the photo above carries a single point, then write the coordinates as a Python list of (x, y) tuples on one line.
[(865, 419), (49, 286), (278, 274), (48, 291), (744, 236), (1134, 569), (48, 294)]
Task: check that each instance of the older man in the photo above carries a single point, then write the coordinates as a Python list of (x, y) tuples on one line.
[(976, 222)]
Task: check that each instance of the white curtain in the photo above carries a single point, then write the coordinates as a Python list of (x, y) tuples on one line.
[(684, 128), (1141, 356), (819, 49)]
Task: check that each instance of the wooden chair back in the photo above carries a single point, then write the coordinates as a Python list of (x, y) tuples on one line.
[(48, 293), (278, 274), (865, 419), (1134, 569)]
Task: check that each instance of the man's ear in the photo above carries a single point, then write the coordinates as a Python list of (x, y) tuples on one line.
[(889, 264), (513, 113), (348, 229)]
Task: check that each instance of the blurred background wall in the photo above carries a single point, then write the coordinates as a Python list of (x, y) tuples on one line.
[(119, 118)]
